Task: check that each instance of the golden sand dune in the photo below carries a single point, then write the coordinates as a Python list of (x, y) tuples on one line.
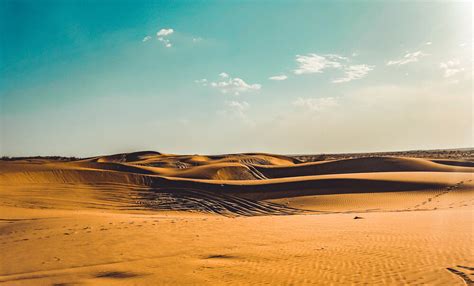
[(148, 218), (253, 178)]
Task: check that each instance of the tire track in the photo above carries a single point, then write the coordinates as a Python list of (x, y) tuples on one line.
[(210, 202), (465, 277), (256, 173)]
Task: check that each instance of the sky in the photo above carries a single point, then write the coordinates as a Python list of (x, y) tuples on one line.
[(82, 78)]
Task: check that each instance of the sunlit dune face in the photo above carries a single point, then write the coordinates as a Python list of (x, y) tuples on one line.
[(243, 219)]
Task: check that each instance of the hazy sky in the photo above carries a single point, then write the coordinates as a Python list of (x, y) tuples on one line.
[(96, 77)]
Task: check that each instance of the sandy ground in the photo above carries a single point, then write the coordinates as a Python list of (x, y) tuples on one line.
[(155, 219)]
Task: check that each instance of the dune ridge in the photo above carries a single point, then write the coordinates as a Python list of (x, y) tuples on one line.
[(225, 183), (148, 218)]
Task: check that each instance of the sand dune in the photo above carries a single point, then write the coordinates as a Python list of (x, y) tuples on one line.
[(365, 165), (236, 176), (147, 216)]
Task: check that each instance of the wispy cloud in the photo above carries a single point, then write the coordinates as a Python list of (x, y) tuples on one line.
[(202, 82), (278, 77), (238, 107), (147, 38), (336, 57), (358, 112), (451, 67), (165, 41), (237, 110), (228, 84), (162, 36), (407, 58), (315, 104), (224, 75), (164, 32), (313, 63), (354, 72)]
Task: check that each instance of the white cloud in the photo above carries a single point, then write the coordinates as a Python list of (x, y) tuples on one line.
[(164, 32), (203, 81), (407, 58), (354, 72), (428, 43), (315, 104), (371, 114), (228, 84), (278, 77), (166, 42), (198, 39), (147, 38), (336, 57), (238, 106), (451, 67), (313, 63)]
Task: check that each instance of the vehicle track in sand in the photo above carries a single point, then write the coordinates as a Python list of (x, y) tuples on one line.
[(177, 199), (464, 276)]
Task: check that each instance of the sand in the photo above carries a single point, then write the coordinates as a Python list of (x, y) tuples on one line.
[(148, 218)]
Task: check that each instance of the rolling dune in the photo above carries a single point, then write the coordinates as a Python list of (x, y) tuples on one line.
[(147, 216), (236, 176)]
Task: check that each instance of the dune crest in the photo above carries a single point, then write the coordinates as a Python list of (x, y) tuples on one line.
[(147, 218), (191, 181)]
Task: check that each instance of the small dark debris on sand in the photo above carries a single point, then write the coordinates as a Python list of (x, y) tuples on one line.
[(116, 274)]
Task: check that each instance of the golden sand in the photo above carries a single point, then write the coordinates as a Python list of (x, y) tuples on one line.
[(147, 218)]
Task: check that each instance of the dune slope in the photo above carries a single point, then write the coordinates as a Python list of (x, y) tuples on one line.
[(240, 184), (148, 218)]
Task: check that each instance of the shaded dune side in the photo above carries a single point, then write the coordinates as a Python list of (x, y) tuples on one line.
[(218, 171), (363, 165), (246, 158), (458, 163), (156, 159), (125, 157), (125, 191), (252, 190), (300, 186), (258, 190), (239, 170), (229, 185), (68, 176), (188, 199)]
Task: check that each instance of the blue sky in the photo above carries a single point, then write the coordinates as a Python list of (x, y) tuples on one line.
[(92, 77)]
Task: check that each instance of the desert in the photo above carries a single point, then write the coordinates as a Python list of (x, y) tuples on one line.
[(147, 218), (243, 142)]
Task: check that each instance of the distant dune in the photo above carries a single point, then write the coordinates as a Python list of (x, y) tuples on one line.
[(50, 200), (250, 178)]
